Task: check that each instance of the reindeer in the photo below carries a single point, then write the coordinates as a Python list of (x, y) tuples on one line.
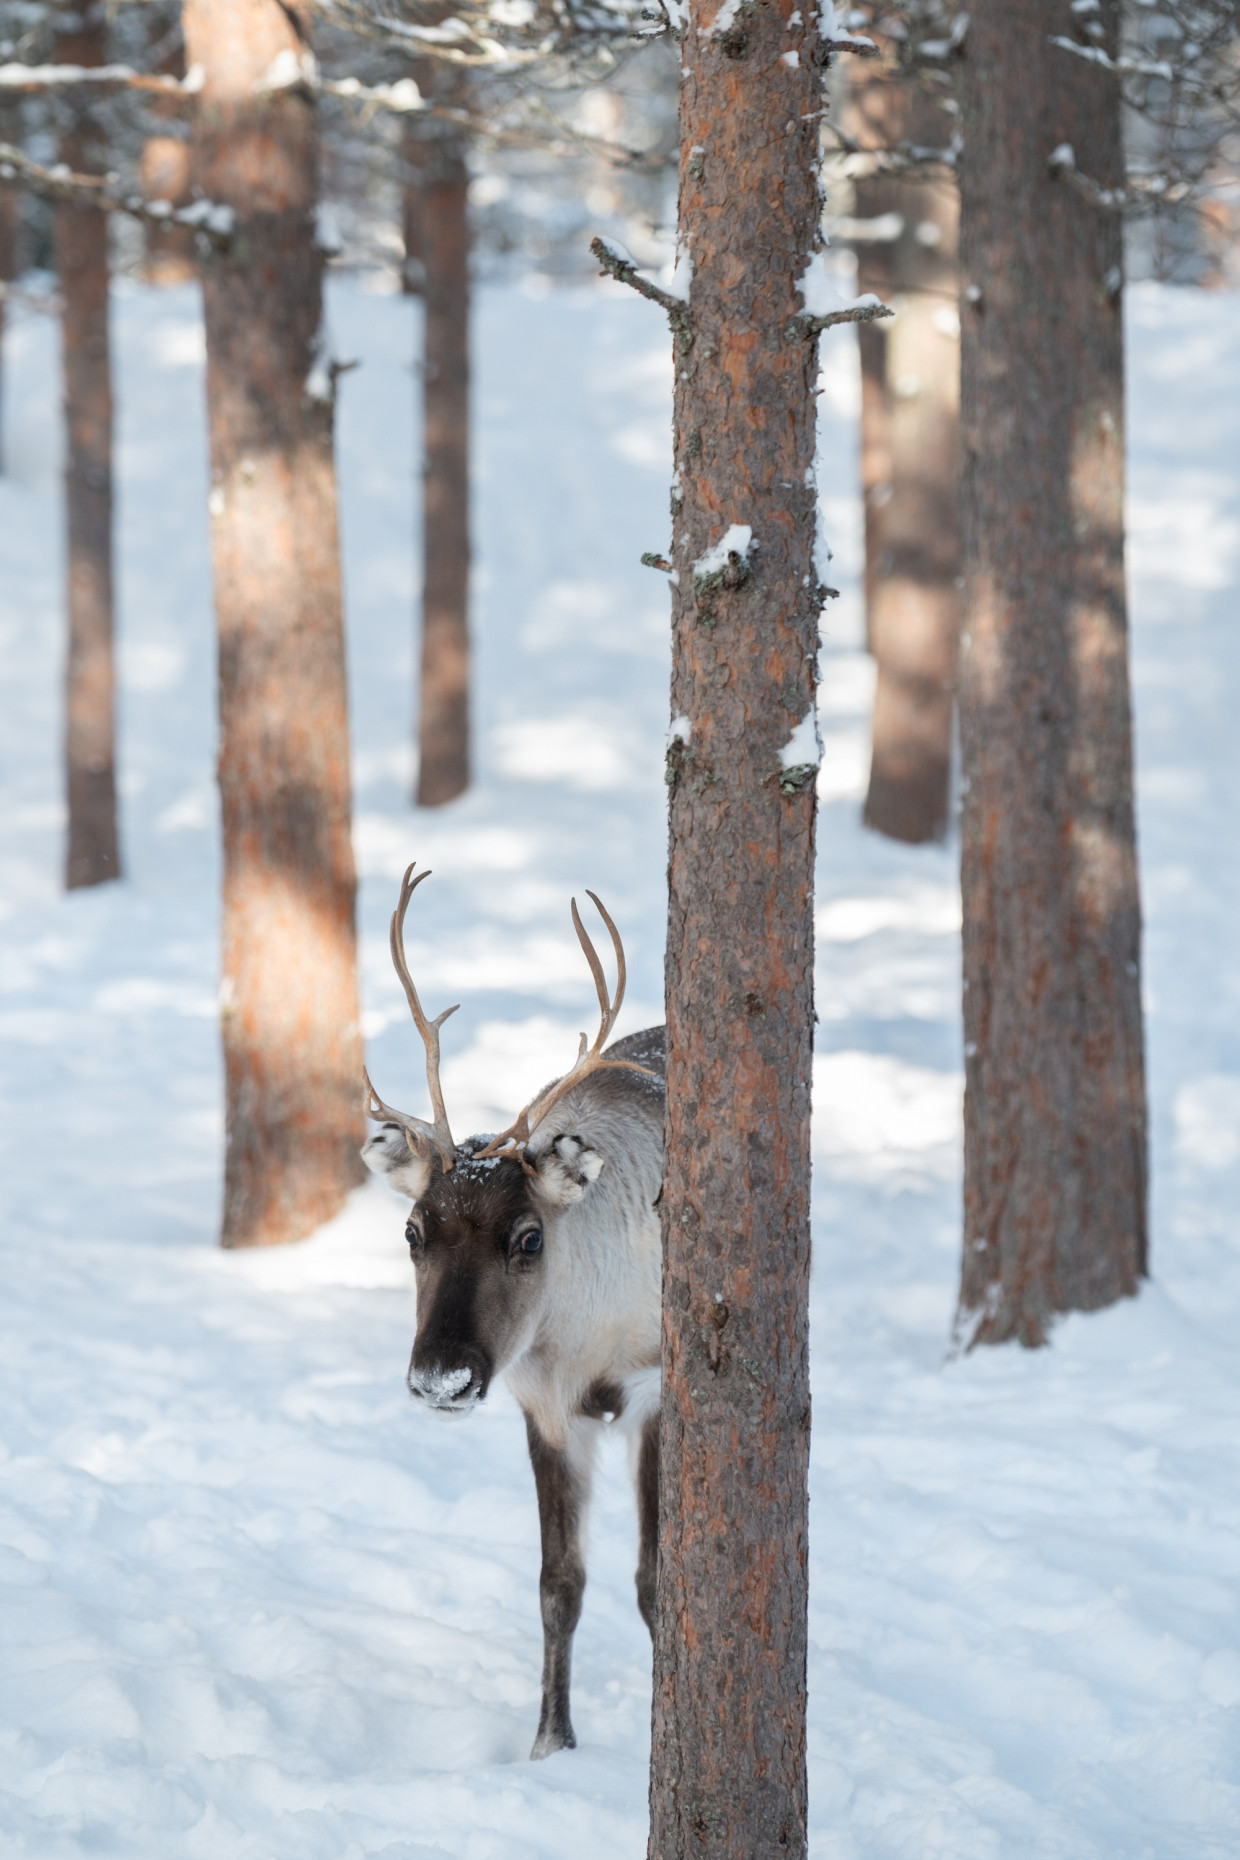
[(536, 1255)]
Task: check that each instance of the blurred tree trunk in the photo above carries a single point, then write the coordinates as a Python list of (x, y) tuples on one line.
[(436, 220), (80, 240), (171, 253), (875, 118), (910, 419), (728, 1773), (915, 616), (292, 1050), (1055, 1119)]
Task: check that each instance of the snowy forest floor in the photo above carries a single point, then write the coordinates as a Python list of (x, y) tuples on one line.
[(251, 1603)]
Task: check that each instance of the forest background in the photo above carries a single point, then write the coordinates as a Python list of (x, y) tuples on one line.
[(1023, 1629)]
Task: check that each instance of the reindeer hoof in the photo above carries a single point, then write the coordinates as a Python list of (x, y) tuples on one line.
[(551, 1738)]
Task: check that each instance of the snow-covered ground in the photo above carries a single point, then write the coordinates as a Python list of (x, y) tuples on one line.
[(251, 1603)]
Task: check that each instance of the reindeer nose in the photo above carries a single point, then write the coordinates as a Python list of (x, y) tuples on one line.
[(457, 1384)]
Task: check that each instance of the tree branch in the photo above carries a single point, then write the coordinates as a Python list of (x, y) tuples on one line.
[(807, 324), (33, 78), (617, 264), (213, 223), (1148, 191)]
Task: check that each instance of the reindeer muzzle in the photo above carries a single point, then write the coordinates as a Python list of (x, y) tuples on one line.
[(452, 1388)]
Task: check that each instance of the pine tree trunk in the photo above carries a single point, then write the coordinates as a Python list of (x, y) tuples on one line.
[(875, 114), (412, 146), (171, 252), (292, 1048), (728, 1757), (915, 599), (437, 225), (1055, 1141), (80, 239), (873, 269)]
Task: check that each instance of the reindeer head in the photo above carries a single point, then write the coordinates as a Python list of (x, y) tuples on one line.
[(482, 1209)]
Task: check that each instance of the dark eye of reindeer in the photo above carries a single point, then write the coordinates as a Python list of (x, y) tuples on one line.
[(529, 1242), (413, 1234)]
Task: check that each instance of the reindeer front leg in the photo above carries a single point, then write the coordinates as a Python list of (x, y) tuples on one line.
[(562, 1480)]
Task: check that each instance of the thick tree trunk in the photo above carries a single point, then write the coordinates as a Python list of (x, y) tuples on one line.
[(728, 1759), (80, 238), (437, 261), (1055, 1143), (909, 424), (292, 1049), (915, 610)]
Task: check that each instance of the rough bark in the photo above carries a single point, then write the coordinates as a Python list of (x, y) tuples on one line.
[(80, 240), (436, 211), (292, 1049), (728, 1756), (1055, 1120)]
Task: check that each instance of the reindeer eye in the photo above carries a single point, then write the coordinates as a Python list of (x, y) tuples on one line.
[(530, 1241), (413, 1234)]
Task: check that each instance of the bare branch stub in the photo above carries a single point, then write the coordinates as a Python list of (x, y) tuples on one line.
[(615, 265), (811, 325)]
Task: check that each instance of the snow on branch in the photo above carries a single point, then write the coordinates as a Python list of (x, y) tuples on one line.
[(616, 263), (32, 78), (839, 39), (820, 295), (858, 163), (214, 223), (1140, 190), (500, 35), (1123, 67)]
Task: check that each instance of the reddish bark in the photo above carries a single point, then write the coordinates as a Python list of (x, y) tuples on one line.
[(165, 172), (436, 213), (728, 1758), (915, 611), (80, 239), (1055, 1120), (909, 424), (875, 119), (292, 1048)]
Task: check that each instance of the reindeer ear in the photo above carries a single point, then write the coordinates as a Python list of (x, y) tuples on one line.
[(388, 1154), (565, 1170)]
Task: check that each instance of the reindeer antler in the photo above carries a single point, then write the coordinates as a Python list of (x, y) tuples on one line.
[(437, 1133), (512, 1142)]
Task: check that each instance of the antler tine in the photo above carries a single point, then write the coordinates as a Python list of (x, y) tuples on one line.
[(596, 969), (437, 1133), (613, 1011), (511, 1142)]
